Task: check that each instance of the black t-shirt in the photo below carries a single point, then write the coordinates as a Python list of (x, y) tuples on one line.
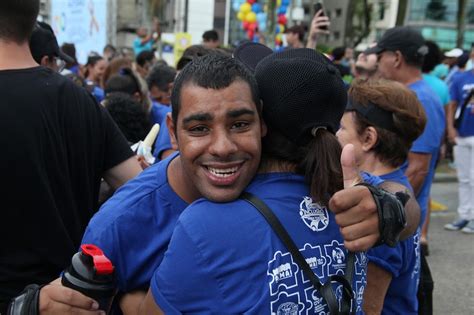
[(56, 143)]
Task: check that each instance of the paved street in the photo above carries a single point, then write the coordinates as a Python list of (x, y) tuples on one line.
[(451, 257)]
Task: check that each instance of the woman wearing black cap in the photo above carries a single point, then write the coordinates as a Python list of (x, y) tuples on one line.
[(225, 257)]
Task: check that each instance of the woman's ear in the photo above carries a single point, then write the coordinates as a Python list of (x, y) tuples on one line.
[(369, 138)]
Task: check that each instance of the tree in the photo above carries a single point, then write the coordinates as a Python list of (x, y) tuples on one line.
[(461, 22), (402, 9), (359, 16)]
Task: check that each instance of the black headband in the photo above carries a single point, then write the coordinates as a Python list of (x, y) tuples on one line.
[(376, 115)]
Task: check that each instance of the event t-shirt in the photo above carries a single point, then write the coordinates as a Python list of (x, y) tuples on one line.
[(134, 227), (430, 140), (402, 262), (57, 142), (225, 257), (439, 87), (459, 90), (163, 140)]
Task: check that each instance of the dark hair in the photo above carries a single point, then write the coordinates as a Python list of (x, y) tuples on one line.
[(318, 160), (297, 29), (462, 60), (70, 50), (338, 53), (196, 51), (161, 75), (432, 58), (413, 59), (91, 61), (129, 116), (407, 113), (125, 82), (210, 35), (144, 57), (17, 19), (213, 71)]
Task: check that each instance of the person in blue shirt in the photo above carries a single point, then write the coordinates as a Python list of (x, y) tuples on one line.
[(215, 246), (382, 132), (144, 41), (94, 74), (463, 137), (400, 55)]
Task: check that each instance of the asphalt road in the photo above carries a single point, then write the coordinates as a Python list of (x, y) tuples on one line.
[(451, 257)]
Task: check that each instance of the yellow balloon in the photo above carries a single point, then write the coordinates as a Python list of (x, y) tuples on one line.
[(245, 8), (240, 16), (278, 3), (279, 36), (282, 28), (251, 17)]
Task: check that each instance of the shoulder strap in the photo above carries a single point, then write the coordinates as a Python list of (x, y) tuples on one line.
[(326, 290), (460, 111)]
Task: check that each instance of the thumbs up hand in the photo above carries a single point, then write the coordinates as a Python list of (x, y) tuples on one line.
[(354, 207)]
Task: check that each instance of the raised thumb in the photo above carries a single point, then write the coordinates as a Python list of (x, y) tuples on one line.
[(350, 171)]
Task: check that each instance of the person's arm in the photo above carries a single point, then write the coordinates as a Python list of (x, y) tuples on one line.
[(149, 306), (130, 303), (123, 172), (316, 29), (378, 281), (418, 169), (451, 131)]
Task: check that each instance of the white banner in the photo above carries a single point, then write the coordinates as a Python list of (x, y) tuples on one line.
[(81, 22)]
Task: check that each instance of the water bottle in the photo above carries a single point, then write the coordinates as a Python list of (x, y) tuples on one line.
[(92, 274)]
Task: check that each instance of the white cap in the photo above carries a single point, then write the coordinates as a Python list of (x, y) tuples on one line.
[(454, 53)]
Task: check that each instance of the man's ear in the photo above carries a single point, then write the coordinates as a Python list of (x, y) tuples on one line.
[(45, 61), (369, 138), (398, 59), (172, 131)]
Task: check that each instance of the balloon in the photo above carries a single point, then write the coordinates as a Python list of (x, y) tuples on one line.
[(278, 3), (252, 26), (282, 10), (282, 28), (279, 37), (250, 34), (251, 1), (245, 8), (282, 19), (251, 17), (262, 17), (256, 7), (236, 6), (285, 2), (262, 26), (240, 16), (245, 25)]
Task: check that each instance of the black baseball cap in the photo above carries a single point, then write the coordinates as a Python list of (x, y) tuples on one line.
[(43, 43), (301, 91), (407, 40)]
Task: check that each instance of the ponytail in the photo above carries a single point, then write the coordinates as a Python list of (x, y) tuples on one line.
[(321, 166)]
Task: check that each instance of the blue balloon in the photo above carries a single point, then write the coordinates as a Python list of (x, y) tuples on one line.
[(236, 6), (262, 26), (256, 7), (285, 2), (282, 9), (262, 17)]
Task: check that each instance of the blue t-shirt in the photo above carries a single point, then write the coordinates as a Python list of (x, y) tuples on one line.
[(225, 257), (430, 140), (138, 47), (163, 141), (403, 262), (134, 227), (439, 87), (459, 90)]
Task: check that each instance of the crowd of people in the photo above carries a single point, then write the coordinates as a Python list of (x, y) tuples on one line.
[(341, 150)]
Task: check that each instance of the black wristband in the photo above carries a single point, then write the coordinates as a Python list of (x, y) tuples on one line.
[(391, 211), (27, 303)]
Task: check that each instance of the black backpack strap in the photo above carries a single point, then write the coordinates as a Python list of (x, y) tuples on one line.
[(326, 290)]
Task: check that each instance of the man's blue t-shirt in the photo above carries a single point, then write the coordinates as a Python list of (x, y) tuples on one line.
[(134, 227), (459, 90), (226, 258), (402, 262), (138, 47), (430, 140), (439, 87), (163, 141)]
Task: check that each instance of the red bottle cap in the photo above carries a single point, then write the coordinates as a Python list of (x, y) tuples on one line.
[(102, 265)]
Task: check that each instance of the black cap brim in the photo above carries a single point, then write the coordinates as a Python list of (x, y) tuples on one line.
[(373, 50), (250, 54), (66, 58)]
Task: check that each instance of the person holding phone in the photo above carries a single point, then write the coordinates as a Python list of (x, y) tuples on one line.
[(319, 26)]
